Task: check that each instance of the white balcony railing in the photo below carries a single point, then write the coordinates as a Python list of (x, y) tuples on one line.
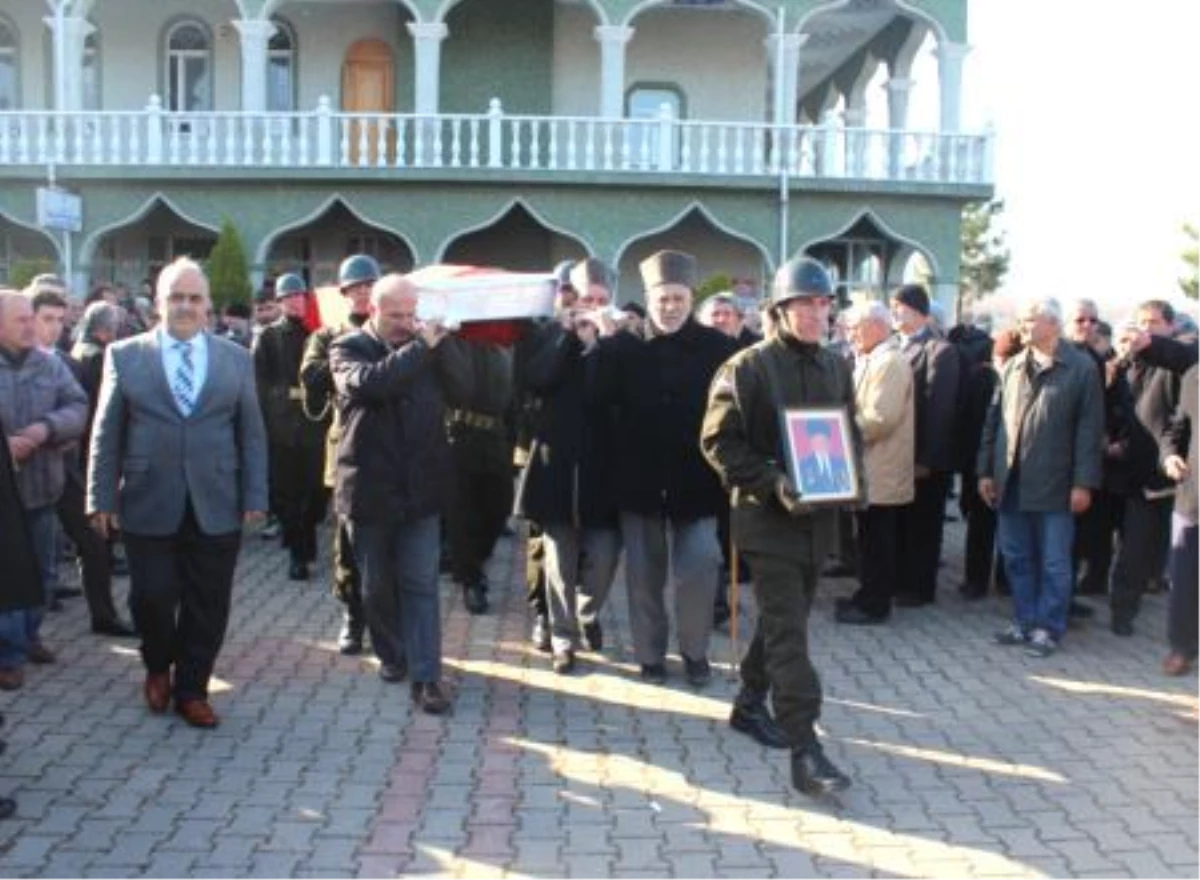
[(494, 140)]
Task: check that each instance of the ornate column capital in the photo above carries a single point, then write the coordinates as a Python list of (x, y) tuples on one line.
[(426, 31), (251, 29), (612, 33)]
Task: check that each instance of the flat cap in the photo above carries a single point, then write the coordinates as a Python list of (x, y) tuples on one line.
[(669, 267)]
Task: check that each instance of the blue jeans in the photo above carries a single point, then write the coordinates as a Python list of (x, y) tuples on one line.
[(1037, 558), (20, 630), (398, 564)]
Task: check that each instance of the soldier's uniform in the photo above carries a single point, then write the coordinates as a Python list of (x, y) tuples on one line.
[(785, 545), (316, 380), (297, 442), (482, 450)]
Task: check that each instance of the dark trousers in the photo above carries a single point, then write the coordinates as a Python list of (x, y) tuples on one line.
[(297, 477), (877, 555), (180, 587), (1093, 547), (535, 572), (347, 585), (1141, 553), (483, 499), (1181, 610), (777, 658), (919, 527), (94, 555), (981, 537)]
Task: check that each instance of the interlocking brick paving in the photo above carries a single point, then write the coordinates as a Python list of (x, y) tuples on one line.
[(968, 760)]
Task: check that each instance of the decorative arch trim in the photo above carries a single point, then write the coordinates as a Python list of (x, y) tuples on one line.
[(89, 246), (869, 214), (269, 7), (444, 9), (33, 227), (909, 9), (264, 246), (501, 214), (707, 215), (766, 13)]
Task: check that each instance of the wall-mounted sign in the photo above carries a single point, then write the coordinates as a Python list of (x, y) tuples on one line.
[(59, 209)]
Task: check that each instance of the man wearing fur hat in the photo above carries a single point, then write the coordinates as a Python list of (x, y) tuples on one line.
[(657, 385), (935, 365)]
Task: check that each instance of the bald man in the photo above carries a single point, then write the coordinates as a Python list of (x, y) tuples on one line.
[(393, 472), (178, 461)]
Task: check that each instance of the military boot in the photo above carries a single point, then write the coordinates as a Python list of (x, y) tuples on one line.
[(751, 716), (813, 773)]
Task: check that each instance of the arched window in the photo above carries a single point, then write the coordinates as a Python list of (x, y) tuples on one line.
[(281, 68), (188, 77), (9, 65)]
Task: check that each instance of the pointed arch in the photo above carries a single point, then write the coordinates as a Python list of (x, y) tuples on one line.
[(907, 8), (704, 212), (34, 228), (504, 212), (88, 250), (762, 10), (447, 5), (870, 215), (268, 241)]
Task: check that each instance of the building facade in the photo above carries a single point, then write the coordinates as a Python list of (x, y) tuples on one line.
[(512, 133)]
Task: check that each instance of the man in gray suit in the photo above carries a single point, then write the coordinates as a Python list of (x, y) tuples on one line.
[(178, 460)]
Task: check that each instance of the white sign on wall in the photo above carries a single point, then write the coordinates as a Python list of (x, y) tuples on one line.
[(59, 209)]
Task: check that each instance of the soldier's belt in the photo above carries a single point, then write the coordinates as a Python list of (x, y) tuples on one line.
[(473, 419), (296, 393)]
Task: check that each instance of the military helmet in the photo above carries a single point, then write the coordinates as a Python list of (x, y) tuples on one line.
[(358, 269), (562, 273), (289, 284), (800, 278)]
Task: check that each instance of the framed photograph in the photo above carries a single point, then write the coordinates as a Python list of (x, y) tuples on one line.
[(820, 458)]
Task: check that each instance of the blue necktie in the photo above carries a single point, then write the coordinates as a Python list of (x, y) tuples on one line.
[(183, 386)]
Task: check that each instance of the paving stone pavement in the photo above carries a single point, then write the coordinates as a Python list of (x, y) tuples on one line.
[(968, 760)]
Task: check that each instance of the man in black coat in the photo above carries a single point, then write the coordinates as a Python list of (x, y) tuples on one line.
[(936, 372), (393, 474), (657, 385), (565, 489)]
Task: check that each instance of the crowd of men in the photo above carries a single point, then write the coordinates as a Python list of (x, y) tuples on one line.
[(652, 435)]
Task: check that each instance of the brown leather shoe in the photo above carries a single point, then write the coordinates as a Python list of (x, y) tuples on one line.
[(1177, 664), (197, 713), (11, 679), (41, 655), (158, 691), (430, 698)]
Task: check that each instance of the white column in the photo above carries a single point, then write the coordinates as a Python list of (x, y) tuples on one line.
[(786, 70), (950, 66), (897, 98), (612, 39), (255, 34), (427, 51), (68, 94)]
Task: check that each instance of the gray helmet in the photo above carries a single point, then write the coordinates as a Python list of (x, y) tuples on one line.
[(289, 284), (562, 273), (801, 277), (358, 269)]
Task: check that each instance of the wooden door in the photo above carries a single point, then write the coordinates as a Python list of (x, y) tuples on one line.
[(369, 86)]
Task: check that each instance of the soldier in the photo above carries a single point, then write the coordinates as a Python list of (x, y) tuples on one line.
[(784, 538), (296, 441), (356, 274)]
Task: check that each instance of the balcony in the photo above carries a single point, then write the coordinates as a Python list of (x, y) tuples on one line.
[(541, 146)]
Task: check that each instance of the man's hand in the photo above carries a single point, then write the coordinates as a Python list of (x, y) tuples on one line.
[(21, 447), (38, 433), (104, 524), (787, 495), (1131, 341), (1081, 500), (432, 332), (254, 517), (1175, 467), (987, 491)]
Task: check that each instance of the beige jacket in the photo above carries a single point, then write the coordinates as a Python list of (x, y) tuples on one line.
[(883, 394)]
